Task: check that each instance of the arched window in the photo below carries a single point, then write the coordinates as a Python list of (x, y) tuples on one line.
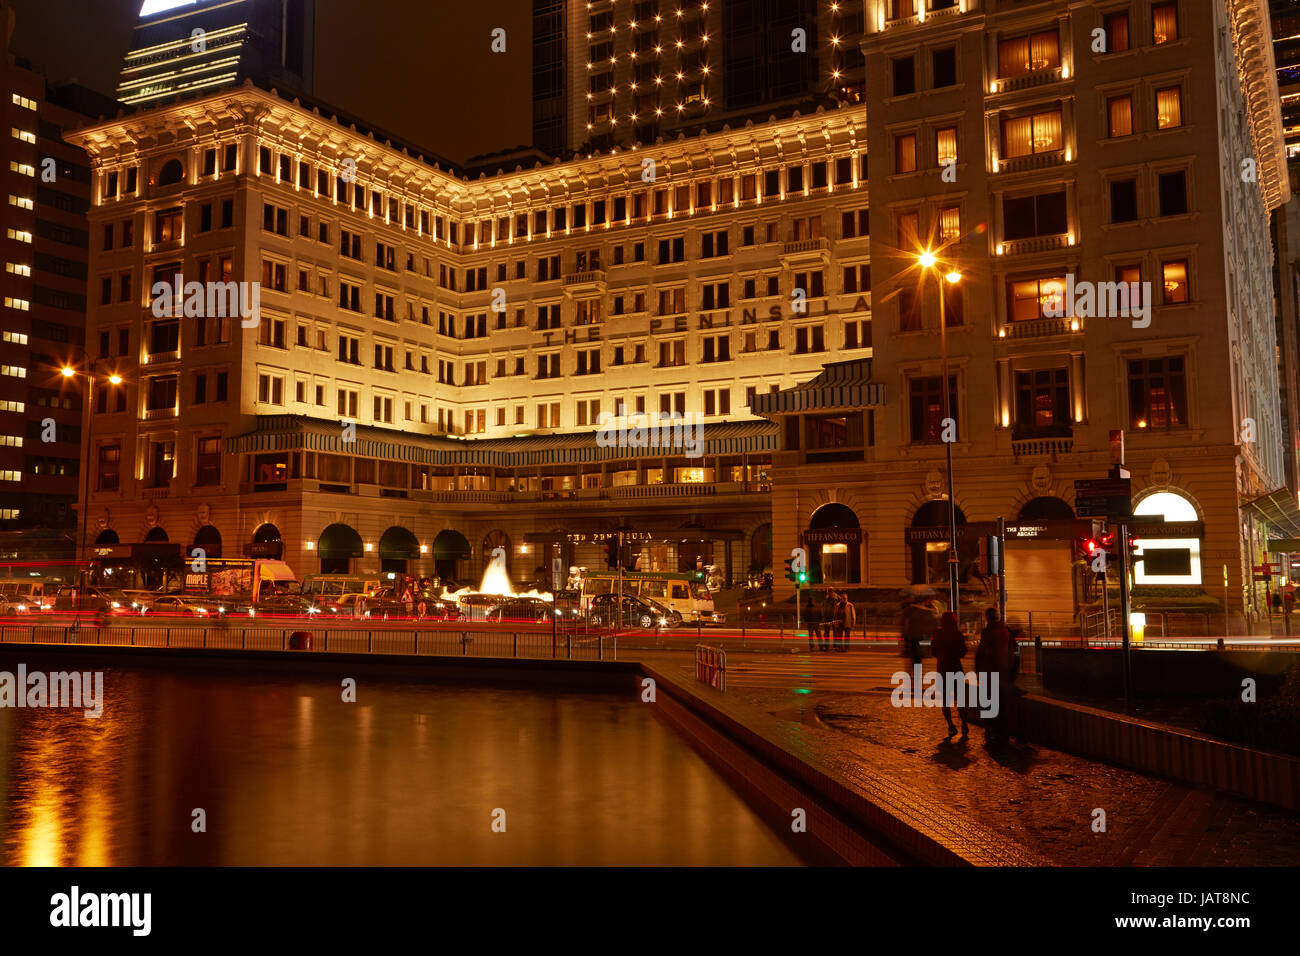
[(171, 173), (1165, 561)]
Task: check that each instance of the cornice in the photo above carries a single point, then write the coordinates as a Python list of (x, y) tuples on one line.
[(1252, 40)]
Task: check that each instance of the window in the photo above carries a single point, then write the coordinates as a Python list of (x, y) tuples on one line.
[(349, 244), (854, 224), (672, 301), (349, 349), (588, 362), (1119, 115), (347, 403), (857, 278), (1025, 54), (1173, 276), (925, 407), (715, 295), (949, 223), (1031, 299), (207, 461), (1042, 403), (909, 310), (945, 145), (383, 409), (275, 219), (1032, 134), (1027, 217), (1157, 393), (672, 250), (717, 401), (110, 466), (713, 244), (1123, 200), (548, 366), (857, 334), (944, 67), (909, 227), (904, 70), (270, 389), (1172, 188), (905, 153), (1169, 108), (1164, 23), (717, 348), (809, 339), (1116, 27), (167, 226), (672, 353), (160, 393)]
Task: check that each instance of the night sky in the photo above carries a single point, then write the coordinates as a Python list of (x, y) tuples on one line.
[(419, 68)]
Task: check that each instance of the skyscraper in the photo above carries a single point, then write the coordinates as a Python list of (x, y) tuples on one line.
[(180, 46), (616, 72)]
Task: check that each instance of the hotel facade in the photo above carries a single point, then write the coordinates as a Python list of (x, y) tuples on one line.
[(433, 358)]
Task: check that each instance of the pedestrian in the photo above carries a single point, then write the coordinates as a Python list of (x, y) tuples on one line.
[(994, 656), (1288, 600), (1277, 603), (845, 617), (813, 616), (827, 617), (917, 623), (949, 646)]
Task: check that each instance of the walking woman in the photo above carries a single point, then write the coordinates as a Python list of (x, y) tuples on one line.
[(949, 646)]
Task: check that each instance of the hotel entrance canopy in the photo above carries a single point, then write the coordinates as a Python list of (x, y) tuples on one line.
[(1279, 509), (840, 386)]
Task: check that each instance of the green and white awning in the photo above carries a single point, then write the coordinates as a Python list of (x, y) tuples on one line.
[(841, 386)]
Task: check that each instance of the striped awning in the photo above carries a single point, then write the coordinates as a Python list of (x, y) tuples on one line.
[(839, 386), (275, 433)]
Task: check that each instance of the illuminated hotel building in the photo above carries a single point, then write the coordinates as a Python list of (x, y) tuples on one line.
[(191, 46), (617, 72), (475, 427), (622, 292)]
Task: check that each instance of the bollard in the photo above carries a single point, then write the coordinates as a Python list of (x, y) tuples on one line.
[(1038, 654)]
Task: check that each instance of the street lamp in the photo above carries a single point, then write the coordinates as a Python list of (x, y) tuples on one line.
[(89, 418), (928, 261)]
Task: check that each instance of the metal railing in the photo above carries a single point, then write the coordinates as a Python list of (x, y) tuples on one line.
[(471, 641)]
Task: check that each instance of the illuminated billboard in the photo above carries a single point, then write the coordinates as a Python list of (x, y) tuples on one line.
[(161, 6)]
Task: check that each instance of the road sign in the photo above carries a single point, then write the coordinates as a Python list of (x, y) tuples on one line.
[(1103, 497)]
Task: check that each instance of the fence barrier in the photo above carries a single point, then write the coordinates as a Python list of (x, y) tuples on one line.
[(461, 642), (711, 666)]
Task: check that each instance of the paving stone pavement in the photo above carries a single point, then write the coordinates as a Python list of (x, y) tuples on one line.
[(1041, 799)]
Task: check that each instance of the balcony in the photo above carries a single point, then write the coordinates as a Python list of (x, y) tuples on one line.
[(1042, 328), (1028, 81), (806, 247), (592, 279), (1026, 164), (1025, 247), (1041, 447), (162, 490)]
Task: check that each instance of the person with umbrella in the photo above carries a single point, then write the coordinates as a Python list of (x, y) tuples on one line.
[(918, 621)]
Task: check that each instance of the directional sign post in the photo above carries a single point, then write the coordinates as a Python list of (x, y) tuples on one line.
[(1103, 498)]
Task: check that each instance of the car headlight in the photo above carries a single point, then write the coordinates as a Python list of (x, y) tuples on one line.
[(221, 610), (115, 604), (663, 622)]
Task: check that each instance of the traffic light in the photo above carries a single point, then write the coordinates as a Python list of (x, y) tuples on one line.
[(789, 571), (1134, 549)]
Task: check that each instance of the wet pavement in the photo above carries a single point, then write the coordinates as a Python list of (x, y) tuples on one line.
[(1039, 799)]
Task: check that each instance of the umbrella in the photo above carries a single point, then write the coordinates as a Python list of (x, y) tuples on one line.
[(918, 591)]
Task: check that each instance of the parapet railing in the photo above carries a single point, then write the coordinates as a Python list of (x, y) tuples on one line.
[(474, 641), (711, 666)]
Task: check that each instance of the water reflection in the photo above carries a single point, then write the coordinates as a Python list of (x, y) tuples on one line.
[(410, 774)]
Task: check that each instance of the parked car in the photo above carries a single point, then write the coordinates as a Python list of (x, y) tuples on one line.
[(285, 605), (635, 612), (528, 609)]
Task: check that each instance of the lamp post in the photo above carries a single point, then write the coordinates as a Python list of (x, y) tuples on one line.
[(928, 261), (89, 418)]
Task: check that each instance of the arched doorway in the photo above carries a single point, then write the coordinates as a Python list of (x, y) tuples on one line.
[(338, 545), (107, 536), (928, 538), (397, 546), (156, 534), (449, 549), (1041, 571), (266, 542), (207, 538), (834, 542), (1046, 509), (1169, 560)]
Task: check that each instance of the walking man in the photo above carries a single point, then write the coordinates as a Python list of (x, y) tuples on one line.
[(949, 646), (995, 656)]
